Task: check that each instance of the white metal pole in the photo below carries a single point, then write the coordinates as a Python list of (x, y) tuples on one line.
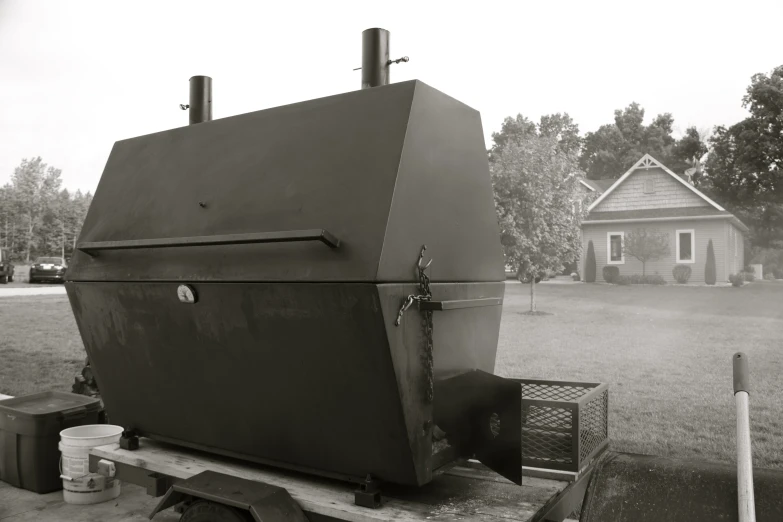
[(745, 499)]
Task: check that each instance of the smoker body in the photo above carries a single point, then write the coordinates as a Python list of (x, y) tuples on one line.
[(290, 354)]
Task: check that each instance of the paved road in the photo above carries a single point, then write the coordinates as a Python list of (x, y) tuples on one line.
[(15, 291)]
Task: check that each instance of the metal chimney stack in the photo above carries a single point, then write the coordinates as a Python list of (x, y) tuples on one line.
[(375, 58), (200, 99)]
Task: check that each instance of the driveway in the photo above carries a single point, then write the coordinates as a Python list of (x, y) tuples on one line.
[(14, 290)]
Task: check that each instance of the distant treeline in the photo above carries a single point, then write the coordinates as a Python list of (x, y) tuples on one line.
[(37, 217)]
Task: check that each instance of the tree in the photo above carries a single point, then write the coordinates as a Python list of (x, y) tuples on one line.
[(513, 130), (710, 273), (614, 148), (516, 130), (590, 263), (688, 153), (535, 184), (562, 127), (646, 245), (745, 165), (36, 218), (35, 186)]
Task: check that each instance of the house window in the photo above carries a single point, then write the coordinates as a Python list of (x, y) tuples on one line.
[(686, 246), (649, 186), (614, 248)]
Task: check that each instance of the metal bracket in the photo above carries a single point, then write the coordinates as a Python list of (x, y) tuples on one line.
[(460, 303), (369, 494), (264, 502), (129, 440)]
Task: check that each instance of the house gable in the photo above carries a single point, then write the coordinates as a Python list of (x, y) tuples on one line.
[(666, 193), (650, 185)]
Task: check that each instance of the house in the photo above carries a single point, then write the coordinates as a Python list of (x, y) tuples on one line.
[(652, 197)]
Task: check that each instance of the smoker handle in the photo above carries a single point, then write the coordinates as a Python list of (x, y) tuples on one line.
[(225, 239), (460, 303)]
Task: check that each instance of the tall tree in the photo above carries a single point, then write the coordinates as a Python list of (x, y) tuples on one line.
[(745, 166), (535, 184), (513, 130), (563, 128), (613, 149), (35, 186), (516, 130), (688, 153)]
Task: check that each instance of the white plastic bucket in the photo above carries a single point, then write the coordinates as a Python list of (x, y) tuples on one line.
[(79, 485)]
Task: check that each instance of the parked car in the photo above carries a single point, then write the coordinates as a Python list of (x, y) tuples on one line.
[(6, 267), (48, 269)]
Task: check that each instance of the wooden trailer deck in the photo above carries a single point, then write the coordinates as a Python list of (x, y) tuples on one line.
[(465, 492)]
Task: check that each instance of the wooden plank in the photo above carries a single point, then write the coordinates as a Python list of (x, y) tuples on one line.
[(461, 493), (552, 474)]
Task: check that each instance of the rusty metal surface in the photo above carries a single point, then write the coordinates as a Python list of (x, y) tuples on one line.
[(385, 170), (308, 376), (200, 105), (214, 319), (481, 414), (375, 58), (298, 374), (267, 503), (641, 488)]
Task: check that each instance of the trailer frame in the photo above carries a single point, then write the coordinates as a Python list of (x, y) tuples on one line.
[(466, 490)]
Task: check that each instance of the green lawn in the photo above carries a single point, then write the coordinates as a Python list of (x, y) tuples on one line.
[(665, 351), (40, 347), (666, 354)]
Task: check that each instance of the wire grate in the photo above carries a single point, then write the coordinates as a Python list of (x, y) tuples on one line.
[(553, 392), (564, 434), (593, 429)]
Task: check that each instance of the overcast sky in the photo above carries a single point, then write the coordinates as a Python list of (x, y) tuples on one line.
[(76, 76)]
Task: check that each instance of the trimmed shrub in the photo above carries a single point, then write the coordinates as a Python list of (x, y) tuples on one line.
[(681, 273), (575, 276), (710, 273), (590, 263), (622, 280), (749, 276), (769, 277), (637, 279), (736, 279), (611, 273)]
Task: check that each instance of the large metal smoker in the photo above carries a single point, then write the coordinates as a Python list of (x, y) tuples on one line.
[(258, 286)]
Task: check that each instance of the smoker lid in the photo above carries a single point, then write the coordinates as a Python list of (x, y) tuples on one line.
[(383, 171)]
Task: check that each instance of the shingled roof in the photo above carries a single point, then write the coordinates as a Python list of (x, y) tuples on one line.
[(662, 214)]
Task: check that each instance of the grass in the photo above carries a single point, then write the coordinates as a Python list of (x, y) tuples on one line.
[(665, 352), (40, 347)]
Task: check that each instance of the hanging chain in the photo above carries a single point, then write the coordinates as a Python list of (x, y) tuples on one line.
[(425, 294)]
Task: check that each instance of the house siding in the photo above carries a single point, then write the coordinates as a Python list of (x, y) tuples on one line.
[(735, 251), (669, 193), (704, 230)]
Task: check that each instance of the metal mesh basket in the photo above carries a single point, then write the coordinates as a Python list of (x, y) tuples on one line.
[(563, 423)]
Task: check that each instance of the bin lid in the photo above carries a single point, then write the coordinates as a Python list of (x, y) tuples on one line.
[(46, 403)]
